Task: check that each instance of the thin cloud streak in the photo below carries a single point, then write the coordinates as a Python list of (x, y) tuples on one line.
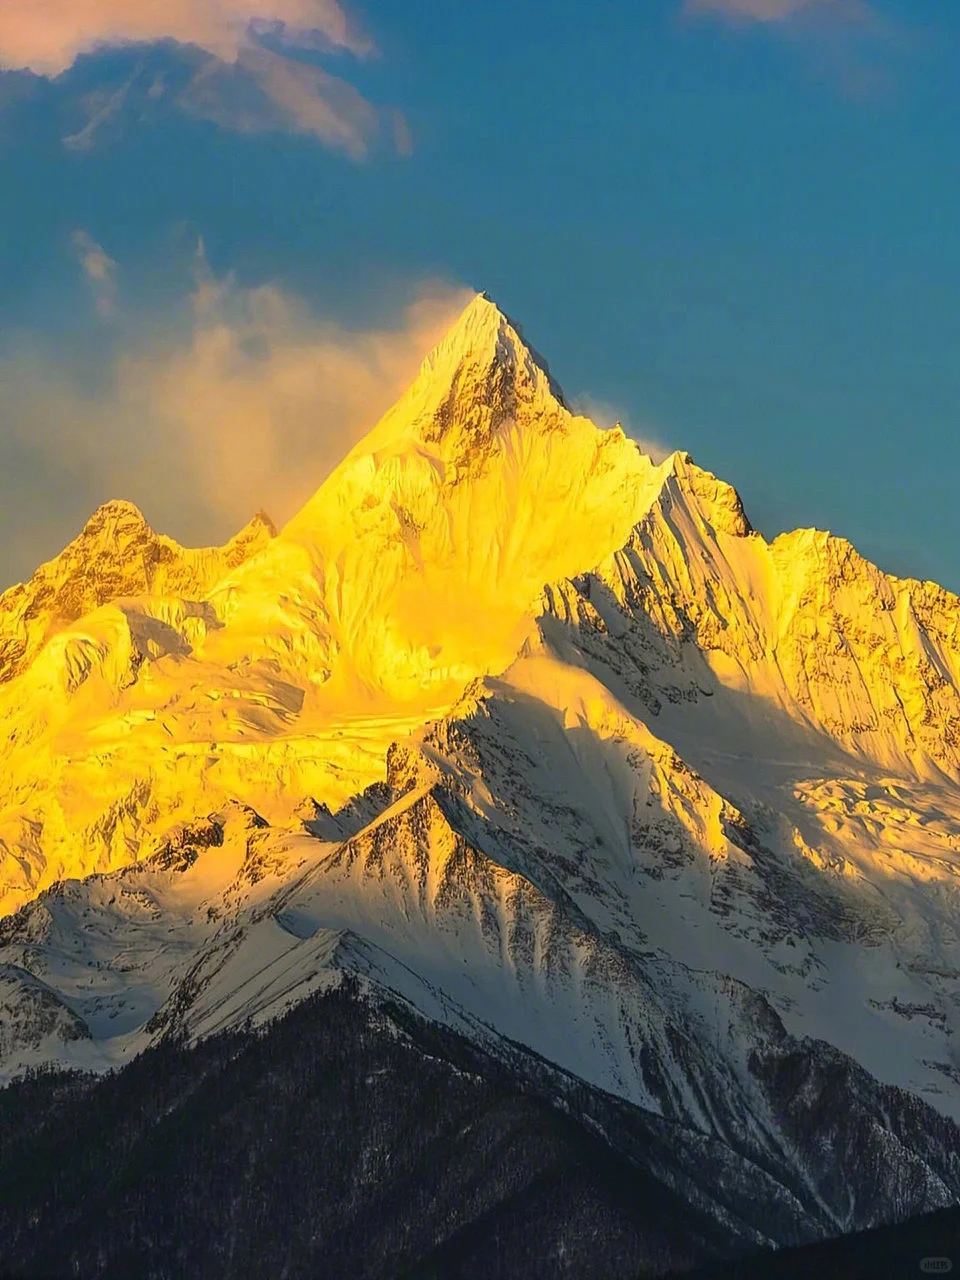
[(845, 42), (100, 271), (605, 415), (264, 92), (848, 12)]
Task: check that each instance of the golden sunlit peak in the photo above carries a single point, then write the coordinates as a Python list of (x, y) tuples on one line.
[(116, 511), (481, 329), (481, 375), (485, 337), (481, 311), (261, 520)]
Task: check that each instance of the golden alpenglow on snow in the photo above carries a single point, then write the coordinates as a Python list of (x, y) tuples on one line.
[(144, 682), (154, 682), (540, 738)]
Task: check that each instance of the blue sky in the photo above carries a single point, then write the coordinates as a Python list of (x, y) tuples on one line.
[(732, 224)]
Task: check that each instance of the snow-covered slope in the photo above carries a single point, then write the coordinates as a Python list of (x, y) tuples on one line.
[(536, 734), (416, 567), (115, 556), (417, 564)]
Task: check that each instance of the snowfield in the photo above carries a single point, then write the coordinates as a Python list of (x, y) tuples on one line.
[(534, 734)]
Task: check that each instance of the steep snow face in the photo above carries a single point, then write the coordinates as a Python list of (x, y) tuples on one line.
[(488, 903), (801, 638), (115, 555), (89, 964), (549, 767), (153, 683), (79, 645), (535, 734), (418, 564), (146, 683)]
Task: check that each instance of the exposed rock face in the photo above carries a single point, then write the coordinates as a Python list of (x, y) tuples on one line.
[(538, 736)]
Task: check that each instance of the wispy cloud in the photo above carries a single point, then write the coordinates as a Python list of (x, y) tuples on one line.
[(101, 108), (846, 42), (100, 271), (48, 37), (257, 69), (263, 91), (606, 415), (854, 12), (247, 401)]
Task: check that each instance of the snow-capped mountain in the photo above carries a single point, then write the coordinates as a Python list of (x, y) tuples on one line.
[(543, 739)]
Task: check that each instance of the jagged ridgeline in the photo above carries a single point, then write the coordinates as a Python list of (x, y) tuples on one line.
[(532, 735)]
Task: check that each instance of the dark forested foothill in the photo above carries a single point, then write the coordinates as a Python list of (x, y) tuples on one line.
[(340, 1142), (351, 1139), (922, 1246)]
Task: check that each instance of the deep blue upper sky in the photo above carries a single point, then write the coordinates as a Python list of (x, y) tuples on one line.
[(740, 236)]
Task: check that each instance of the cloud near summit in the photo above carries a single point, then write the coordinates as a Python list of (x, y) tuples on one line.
[(244, 398), (256, 76)]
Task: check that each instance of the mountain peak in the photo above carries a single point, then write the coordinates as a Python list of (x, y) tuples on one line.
[(485, 337), (480, 327), (481, 375), (480, 314), (116, 554), (113, 513)]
